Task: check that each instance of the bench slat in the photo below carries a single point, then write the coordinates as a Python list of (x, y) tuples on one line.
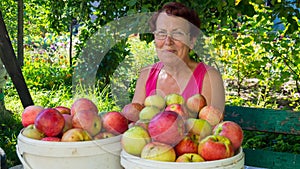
[(271, 159), (268, 120)]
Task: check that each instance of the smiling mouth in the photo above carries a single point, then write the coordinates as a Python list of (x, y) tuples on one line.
[(171, 51)]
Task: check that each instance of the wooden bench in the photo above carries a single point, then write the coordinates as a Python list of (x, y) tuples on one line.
[(269, 121)]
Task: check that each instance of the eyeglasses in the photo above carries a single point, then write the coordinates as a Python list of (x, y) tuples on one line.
[(176, 35)]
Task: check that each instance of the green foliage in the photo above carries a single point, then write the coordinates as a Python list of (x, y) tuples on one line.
[(255, 51)]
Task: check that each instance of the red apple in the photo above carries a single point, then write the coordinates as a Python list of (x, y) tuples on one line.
[(195, 103), (50, 122), (167, 127), (132, 110), (76, 134), (29, 114), (115, 122), (215, 147), (230, 130), (190, 157), (63, 109), (211, 114), (88, 120), (55, 139), (103, 135), (159, 152), (178, 108), (186, 145), (68, 122), (83, 104)]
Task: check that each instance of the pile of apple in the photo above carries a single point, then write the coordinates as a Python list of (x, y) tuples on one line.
[(173, 129), (80, 122)]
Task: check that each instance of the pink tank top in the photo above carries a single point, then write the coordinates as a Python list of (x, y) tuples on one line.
[(194, 85)]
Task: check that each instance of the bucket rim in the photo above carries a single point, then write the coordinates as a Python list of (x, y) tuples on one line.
[(234, 159), (34, 142)]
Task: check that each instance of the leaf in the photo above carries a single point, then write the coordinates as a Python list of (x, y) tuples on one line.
[(237, 2), (131, 2)]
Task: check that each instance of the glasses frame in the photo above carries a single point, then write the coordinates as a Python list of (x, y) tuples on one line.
[(170, 34)]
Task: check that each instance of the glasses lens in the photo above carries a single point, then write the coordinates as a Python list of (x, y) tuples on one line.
[(160, 35), (178, 35)]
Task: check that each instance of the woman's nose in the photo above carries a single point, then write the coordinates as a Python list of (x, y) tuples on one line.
[(169, 40)]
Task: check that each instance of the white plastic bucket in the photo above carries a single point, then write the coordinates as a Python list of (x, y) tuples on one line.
[(36, 154), (129, 161)]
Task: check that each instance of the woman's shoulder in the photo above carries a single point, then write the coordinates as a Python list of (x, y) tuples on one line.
[(147, 69)]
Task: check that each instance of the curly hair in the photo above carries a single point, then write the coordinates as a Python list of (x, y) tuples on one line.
[(180, 10)]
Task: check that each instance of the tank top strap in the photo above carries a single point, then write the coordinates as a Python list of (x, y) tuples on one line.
[(152, 78), (196, 81)]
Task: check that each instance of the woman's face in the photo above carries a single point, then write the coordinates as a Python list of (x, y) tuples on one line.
[(172, 38)]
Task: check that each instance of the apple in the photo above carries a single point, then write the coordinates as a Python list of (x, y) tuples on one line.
[(167, 127), (211, 114), (187, 145), (63, 109), (31, 132), (103, 135), (174, 98), (142, 123), (190, 157), (155, 100), (195, 103), (179, 109), (115, 122), (29, 114), (158, 151), (232, 131), (215, 147), (132, 110), (68, 122), (50, 122), (134, 139), (148, 112), (199, 127), (88, 120), (75, 134), (83, 104), (55, 139)]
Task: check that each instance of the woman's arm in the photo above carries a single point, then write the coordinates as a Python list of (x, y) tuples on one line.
[(140, 88), (213, 89)]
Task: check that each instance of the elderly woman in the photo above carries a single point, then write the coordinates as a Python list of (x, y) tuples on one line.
[(175, 29)]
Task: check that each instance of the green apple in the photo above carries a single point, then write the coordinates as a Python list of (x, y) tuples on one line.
[(174, 99), (31, 132), (190, 157), (155, 100), (199, 127), (134, 139), (148, 112), (159, 151)]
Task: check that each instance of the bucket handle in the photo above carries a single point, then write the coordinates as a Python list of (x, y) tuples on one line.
[(25, 165)]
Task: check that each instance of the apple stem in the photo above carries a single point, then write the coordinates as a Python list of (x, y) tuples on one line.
[(192, 156)]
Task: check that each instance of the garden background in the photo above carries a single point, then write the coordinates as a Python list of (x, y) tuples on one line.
[(255, 44)]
